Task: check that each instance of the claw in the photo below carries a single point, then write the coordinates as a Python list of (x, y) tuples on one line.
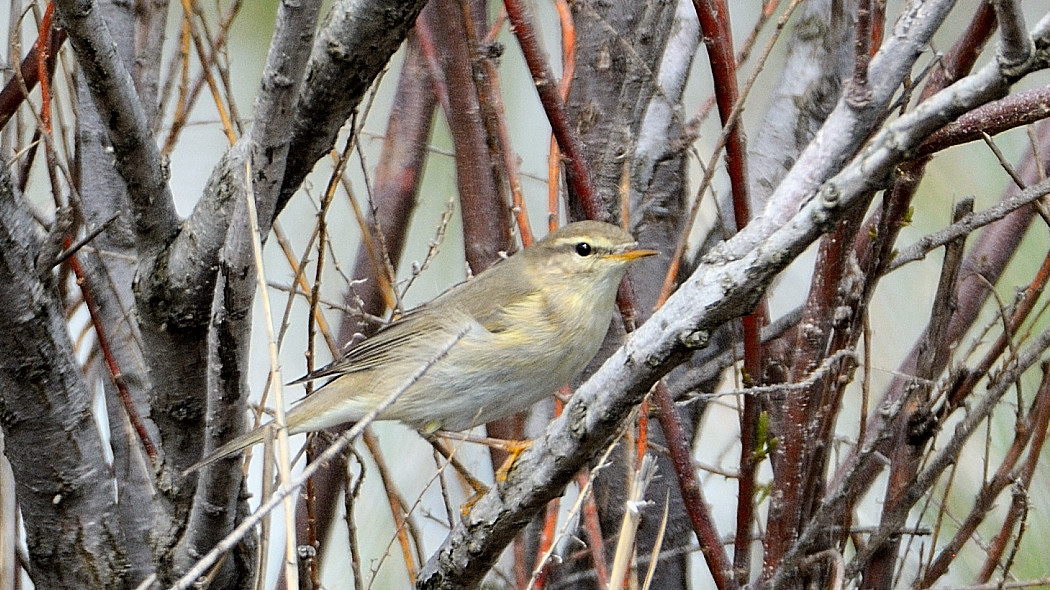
[(514, 448)]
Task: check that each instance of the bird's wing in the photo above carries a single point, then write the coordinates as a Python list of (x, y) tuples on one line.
[(498, 309), (471, 300), (377, 349)]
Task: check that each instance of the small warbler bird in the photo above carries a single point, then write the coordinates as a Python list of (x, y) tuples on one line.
[(495, 344)]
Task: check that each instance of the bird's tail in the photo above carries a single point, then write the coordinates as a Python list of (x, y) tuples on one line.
[(231, 448)]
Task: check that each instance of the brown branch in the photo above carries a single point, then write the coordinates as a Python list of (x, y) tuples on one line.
[(1029, 433), (12, 94), (718, 37), (394, 192), (915, 425), (1016, 110), (593, 530), (858, 93), (485, 223), (802, 444)]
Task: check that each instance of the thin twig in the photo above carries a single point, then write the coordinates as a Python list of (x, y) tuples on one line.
[(632, 517), (967, 224), (576, 507), (75, 247), (291, 572)]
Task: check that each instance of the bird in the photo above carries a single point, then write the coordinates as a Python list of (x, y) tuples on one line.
[(482, 350)]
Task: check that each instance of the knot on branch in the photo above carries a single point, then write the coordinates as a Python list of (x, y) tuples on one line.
[(922, 425), (829, 197), (694, 339), (1016, 64)]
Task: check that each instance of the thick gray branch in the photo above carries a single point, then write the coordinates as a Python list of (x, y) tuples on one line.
[(819, 58), (110, 264), (1015, 47), (621, 45), (351, 49), (137, 157), (217, 493), (271, 133), (177, 291), (218, 490), (65, 491), (847, 127)]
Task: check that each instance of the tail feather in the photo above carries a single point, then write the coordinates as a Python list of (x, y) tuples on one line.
[(231, 448)]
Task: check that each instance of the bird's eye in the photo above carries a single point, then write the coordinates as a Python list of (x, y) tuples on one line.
[(583, 249)]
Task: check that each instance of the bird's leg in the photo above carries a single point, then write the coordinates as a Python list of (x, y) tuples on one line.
[(513, 448), (479, 488)]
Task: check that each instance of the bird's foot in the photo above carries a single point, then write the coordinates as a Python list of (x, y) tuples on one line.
[(513, 448)]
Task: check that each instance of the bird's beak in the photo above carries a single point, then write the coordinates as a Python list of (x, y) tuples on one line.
[(634, 253)]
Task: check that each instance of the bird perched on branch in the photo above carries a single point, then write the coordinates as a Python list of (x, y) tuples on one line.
[(484, 349)]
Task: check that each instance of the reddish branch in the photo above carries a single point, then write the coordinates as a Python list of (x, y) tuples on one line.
[(718, 38), (874, 246), (486, 228), (692, 492), (568, 70), (1016, 110), (111, 363), (577, 173), (915, 425), (803, 430), (47, 44), (593, 530), (1030, 433), (858, 94)]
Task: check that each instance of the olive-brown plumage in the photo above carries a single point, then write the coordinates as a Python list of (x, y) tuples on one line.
[(496, 343)]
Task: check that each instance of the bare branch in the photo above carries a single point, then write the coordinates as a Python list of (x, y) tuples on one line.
[(138, 160), (1015, 47), (352, 47), (72, 527), (969, 223), (818, 58)]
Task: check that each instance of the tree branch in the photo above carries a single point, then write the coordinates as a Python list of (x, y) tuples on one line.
[(65, 490), (352, 47), (138, 160)]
